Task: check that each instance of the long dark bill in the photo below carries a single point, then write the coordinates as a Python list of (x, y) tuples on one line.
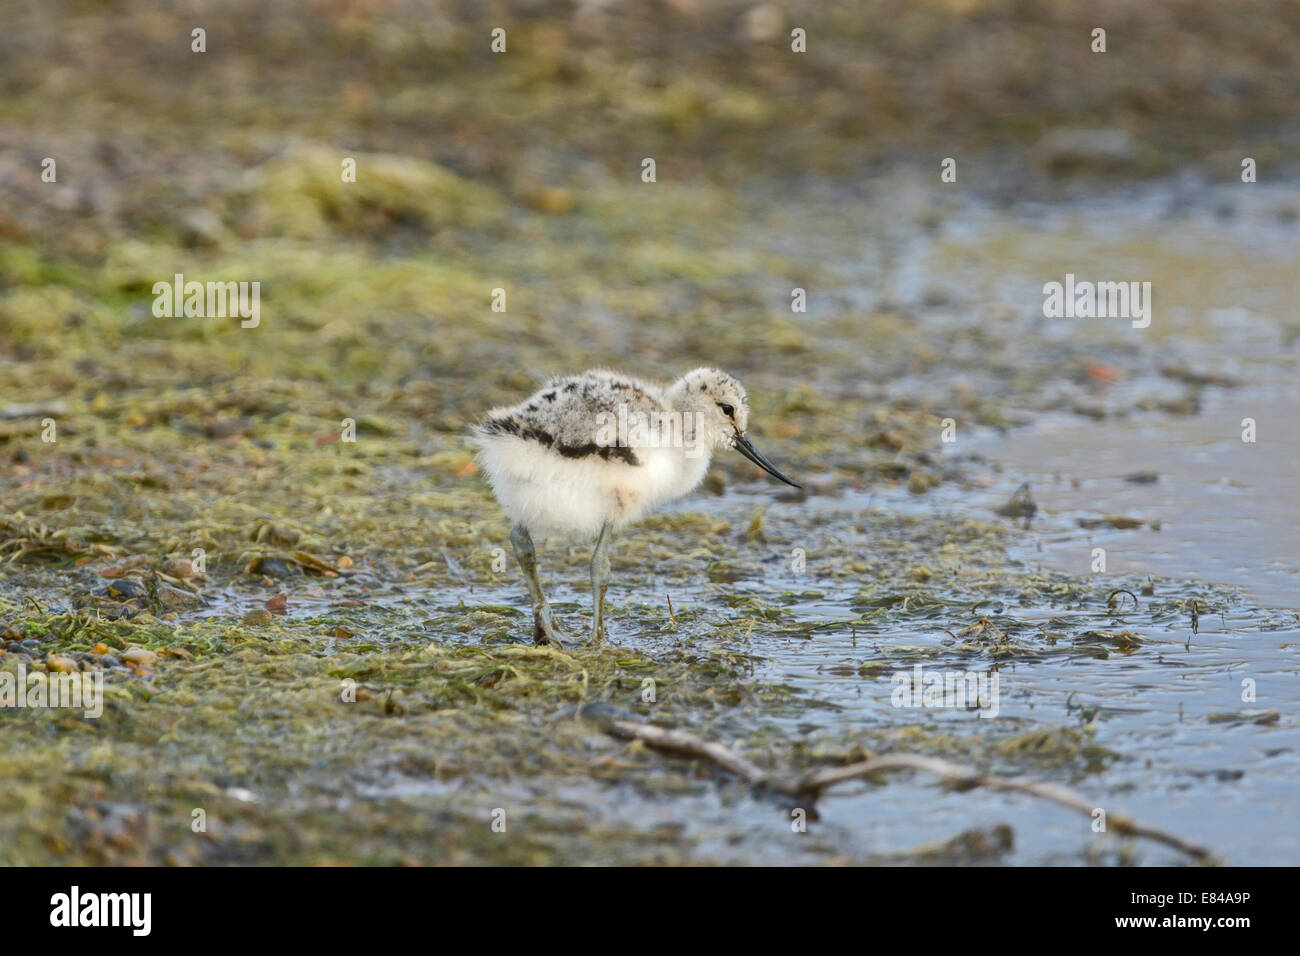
[(743, 446)]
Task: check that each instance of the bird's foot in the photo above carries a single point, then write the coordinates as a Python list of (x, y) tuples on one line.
[(544, 629), (598, 634)]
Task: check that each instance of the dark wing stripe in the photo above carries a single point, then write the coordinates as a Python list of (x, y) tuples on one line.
[(509, 426), (606, 452)]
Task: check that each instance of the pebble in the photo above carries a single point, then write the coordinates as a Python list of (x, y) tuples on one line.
[(170, 597), (126, 588), (180, 568), (139, 657), (60, 664), (275, 568)]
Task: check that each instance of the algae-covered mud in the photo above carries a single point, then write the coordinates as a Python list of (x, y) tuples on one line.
[(267, 541)]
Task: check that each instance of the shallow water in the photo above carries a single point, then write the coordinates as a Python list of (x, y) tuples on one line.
[(1225, 509), (1225, 266), (1228, 785)]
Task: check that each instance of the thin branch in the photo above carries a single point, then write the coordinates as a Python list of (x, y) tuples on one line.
[(812, 786), (679, 741)]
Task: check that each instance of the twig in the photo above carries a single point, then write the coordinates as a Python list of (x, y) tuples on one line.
[(812, 786), (969, 777), (679, 741)]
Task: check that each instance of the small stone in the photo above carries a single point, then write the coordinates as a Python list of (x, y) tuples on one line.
[(274, 568), (126, 589), (170, 597), (60, 664), (182, 568), (258, 616), (139, 657)]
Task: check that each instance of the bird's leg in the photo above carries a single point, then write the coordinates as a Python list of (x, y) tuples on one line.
[(599, 581), (544, 630)]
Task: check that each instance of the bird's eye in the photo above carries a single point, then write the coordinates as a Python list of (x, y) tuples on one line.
[(727, 410)]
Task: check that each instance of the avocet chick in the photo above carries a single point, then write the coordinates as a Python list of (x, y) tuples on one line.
[(593, 452)]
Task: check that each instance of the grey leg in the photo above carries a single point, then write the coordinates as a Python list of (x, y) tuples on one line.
[(544, 630), (599, 581)]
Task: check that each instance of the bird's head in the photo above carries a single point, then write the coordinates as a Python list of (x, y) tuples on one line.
[(721, 411)]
